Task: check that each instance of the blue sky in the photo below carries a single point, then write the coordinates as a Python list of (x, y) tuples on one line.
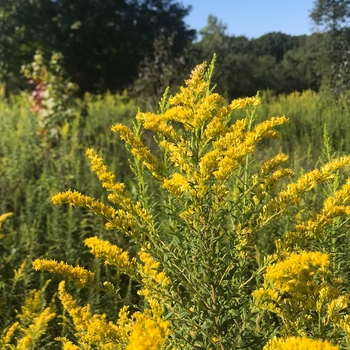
[(253, 18)]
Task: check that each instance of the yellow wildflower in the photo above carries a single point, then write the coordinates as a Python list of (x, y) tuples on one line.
[(8, 334), (119, 193), (78, 275), (273, 163), (112, 255), (32, 305), (177, 184), (148, 333), (116, 219), (305, 183), (68, 345), (32, 334), (335, 306), (138, 149), (77, 199), (292, 288), (196, 86), (293, 343), (180, 155), (208, 163), (91, 329), (158, 123)]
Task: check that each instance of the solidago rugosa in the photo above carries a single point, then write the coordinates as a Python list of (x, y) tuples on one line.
[(196, 215)]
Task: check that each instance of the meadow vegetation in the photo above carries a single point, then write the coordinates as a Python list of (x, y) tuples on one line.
[(206, 224)]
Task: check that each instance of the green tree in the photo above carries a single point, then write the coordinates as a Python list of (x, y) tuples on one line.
[(102, 42), (276, 44), (333, 16), (331, 13)]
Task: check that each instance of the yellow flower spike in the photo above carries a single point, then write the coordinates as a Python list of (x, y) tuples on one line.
[(158, 123), (232, 159), (32, 305), (205, 110), (208, 163), (78, 275), (148, 333), (116, 219), (177, 184), (112, 255), (67, 345), (345, 325), (335, 306), (119, 193), (241, 103), (179, 155), (151, 277), (330, 168), (265, 129), (78, 200), (298, 280), (195, 87), (237, 144), (305, 183), (215, 128), (293, 343), (334, 206), (234, 137), (271, 164), (291, 271), (6, 339), (35, 330), (138, 149), (271, 181), (91, 329)]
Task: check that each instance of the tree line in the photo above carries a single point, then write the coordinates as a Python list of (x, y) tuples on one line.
[(145, 45)]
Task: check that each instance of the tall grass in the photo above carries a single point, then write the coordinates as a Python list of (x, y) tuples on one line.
[(31, 172)]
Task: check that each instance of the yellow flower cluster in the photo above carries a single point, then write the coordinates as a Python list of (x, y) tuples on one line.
[(119, 194), (148, 332), (138, 149), (33, 333), (121, 220), (177, 184), (292, 286), (78, 200), (33, 323), (293, 343), (112, 255), (92, 329), (235, 145), (151, 278), (141, 332), (334, 206), (293, 192), (78, 275), (272, 164)]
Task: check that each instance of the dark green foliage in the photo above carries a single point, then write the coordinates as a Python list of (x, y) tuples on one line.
[(276, 44), (275, 61), (331, 13), (103, 42)]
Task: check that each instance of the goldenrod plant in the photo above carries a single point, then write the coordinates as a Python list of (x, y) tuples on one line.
[(33, 318), (200, 205)]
